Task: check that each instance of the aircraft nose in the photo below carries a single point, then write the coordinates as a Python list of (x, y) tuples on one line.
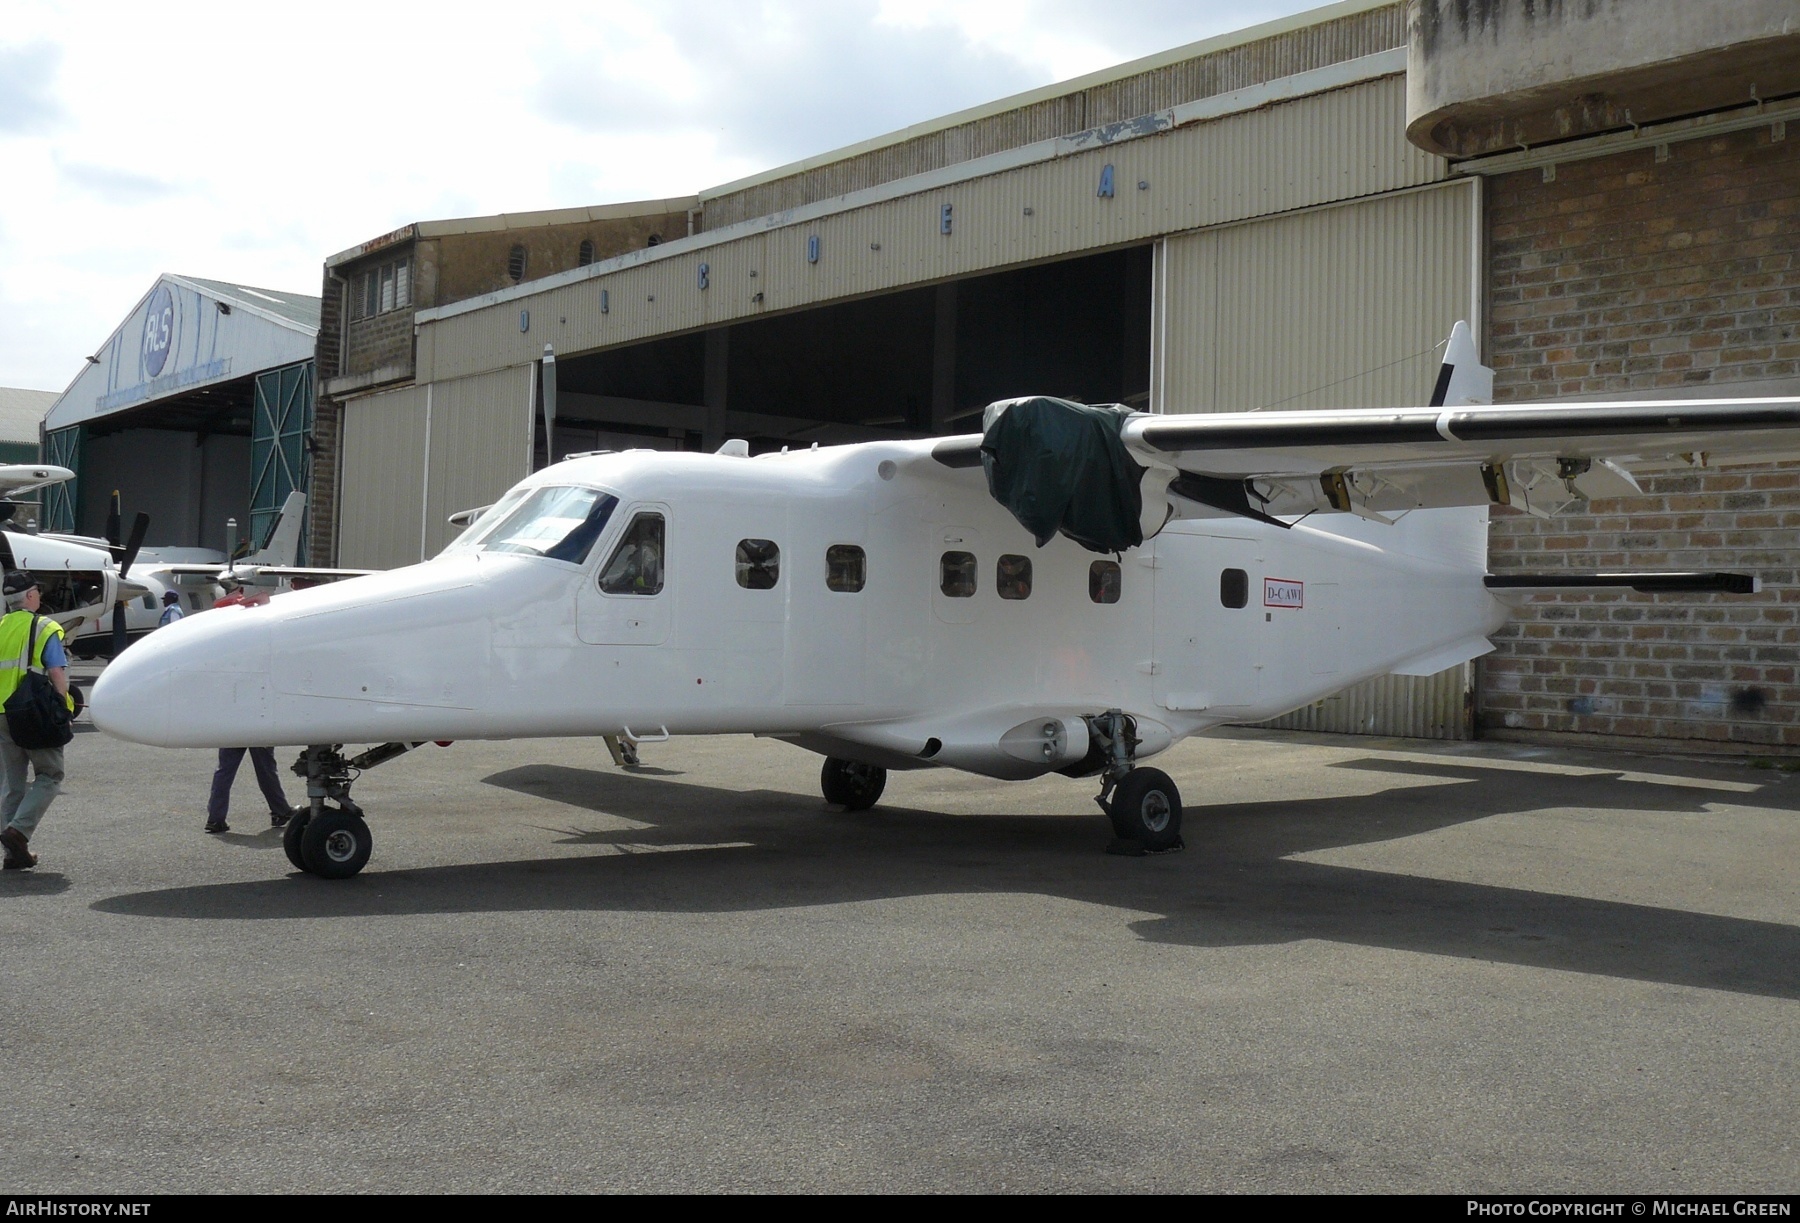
[(197, 683)]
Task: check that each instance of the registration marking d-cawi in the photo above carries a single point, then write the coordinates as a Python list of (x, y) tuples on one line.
[(1283, 592)]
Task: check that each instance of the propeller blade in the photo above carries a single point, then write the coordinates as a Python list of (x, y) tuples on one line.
[(118, 636), (139, 526), (112, 521)]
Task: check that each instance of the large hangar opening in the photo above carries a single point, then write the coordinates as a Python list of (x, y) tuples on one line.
[(197, 410), (913, 363)]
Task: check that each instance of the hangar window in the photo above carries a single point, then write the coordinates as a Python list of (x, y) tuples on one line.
[(636, 567), (846, 568), (515, 262), (1234, 588), (758, 564), (385, 287), (585, 255), (560, 522), (956, 574), (1012, 577), (1104, 581)]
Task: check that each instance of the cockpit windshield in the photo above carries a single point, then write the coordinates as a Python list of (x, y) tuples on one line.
[(560, 522)]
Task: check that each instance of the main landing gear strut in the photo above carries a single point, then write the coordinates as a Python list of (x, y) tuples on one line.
[(1143, 804), (330, 838)]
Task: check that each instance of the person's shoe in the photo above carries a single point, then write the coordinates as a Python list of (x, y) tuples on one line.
[(18, 856), (279, 819), (221, 826)]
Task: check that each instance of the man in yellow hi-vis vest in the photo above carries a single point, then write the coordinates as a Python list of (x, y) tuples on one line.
[(22, 806)]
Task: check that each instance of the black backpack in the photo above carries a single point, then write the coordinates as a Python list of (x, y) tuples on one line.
[(37, 717)]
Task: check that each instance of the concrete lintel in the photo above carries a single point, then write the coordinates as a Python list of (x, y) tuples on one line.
[(350, 384)]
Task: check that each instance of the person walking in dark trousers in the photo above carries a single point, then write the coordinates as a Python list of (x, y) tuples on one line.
[(267, 776)]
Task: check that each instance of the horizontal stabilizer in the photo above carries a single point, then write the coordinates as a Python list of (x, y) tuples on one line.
[(1682, 582)]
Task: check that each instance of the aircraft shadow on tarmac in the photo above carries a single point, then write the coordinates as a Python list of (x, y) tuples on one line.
[(714, 850)]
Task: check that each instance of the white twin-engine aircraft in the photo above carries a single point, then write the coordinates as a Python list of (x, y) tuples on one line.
[(878, 604)]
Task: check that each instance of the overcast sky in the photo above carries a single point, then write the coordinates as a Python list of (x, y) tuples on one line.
[(247, 142)]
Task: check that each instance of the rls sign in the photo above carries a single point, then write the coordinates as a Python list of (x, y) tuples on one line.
[(159, 331)]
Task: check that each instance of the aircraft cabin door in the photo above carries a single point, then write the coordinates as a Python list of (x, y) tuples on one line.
[(628, 600), (1208, 621), (827, 607)]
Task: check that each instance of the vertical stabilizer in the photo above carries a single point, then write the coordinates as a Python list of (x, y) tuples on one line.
[(282, 547), (1462, 379)]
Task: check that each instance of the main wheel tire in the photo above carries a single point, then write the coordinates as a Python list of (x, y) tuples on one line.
[(1146, 808), (291, 833), (336, 844), (850, 784)]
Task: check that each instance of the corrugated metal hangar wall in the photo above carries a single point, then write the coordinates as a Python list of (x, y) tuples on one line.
[(1305, 254)]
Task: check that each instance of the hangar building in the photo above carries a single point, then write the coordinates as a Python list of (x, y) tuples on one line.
[(198, 409), (1292, 215)]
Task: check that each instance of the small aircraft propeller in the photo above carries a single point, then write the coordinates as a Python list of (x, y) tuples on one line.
[(139, 526)]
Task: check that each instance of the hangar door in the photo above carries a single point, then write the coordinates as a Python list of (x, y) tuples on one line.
[(1344, 306), (381, 505), (414, 456)]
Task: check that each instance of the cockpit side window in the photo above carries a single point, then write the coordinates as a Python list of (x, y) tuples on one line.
[(636, 565)]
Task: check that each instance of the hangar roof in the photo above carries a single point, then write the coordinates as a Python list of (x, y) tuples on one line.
[(186, 334), (1059, 89), (500, 222), (21, 411)]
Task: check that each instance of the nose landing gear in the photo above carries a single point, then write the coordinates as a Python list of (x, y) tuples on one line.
[(331, 839)]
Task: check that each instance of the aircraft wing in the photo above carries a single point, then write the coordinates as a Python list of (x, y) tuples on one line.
[(1378, 462), (18, 478), (299, 571), (1540, 459), (250, 572)]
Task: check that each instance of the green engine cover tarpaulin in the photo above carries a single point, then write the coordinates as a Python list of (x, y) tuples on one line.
[(1063, 466)]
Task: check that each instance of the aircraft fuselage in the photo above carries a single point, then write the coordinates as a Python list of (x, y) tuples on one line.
[(860, 600)]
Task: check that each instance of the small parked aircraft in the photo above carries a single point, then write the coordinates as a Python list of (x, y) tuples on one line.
[(194, 574), (1073, 590), (80, 579)]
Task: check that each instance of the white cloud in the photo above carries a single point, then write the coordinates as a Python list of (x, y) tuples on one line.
[(244, 142)]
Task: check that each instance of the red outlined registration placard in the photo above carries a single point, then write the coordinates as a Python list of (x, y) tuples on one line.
[(1283, 592)]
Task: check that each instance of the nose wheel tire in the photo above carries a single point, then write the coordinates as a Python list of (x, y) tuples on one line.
[(1146, 808), (290, 838), (851, 785), (336, 844)]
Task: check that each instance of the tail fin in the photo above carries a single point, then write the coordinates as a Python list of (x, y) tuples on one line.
[(1462, 379), (282, 546)]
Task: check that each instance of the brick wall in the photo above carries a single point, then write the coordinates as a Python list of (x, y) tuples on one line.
[(1627, 276), (321, 500), (385, 339)]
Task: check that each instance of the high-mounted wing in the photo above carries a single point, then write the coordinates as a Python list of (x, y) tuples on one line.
[(16, 478), (1379, 462)]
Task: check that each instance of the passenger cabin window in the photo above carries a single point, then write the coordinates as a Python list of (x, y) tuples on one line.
[(758, 564), (956, 574), (149, 602), (846, 568), (1104, 581), (1012, 577), (1234, 588), (636, 566), (560, 522)]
